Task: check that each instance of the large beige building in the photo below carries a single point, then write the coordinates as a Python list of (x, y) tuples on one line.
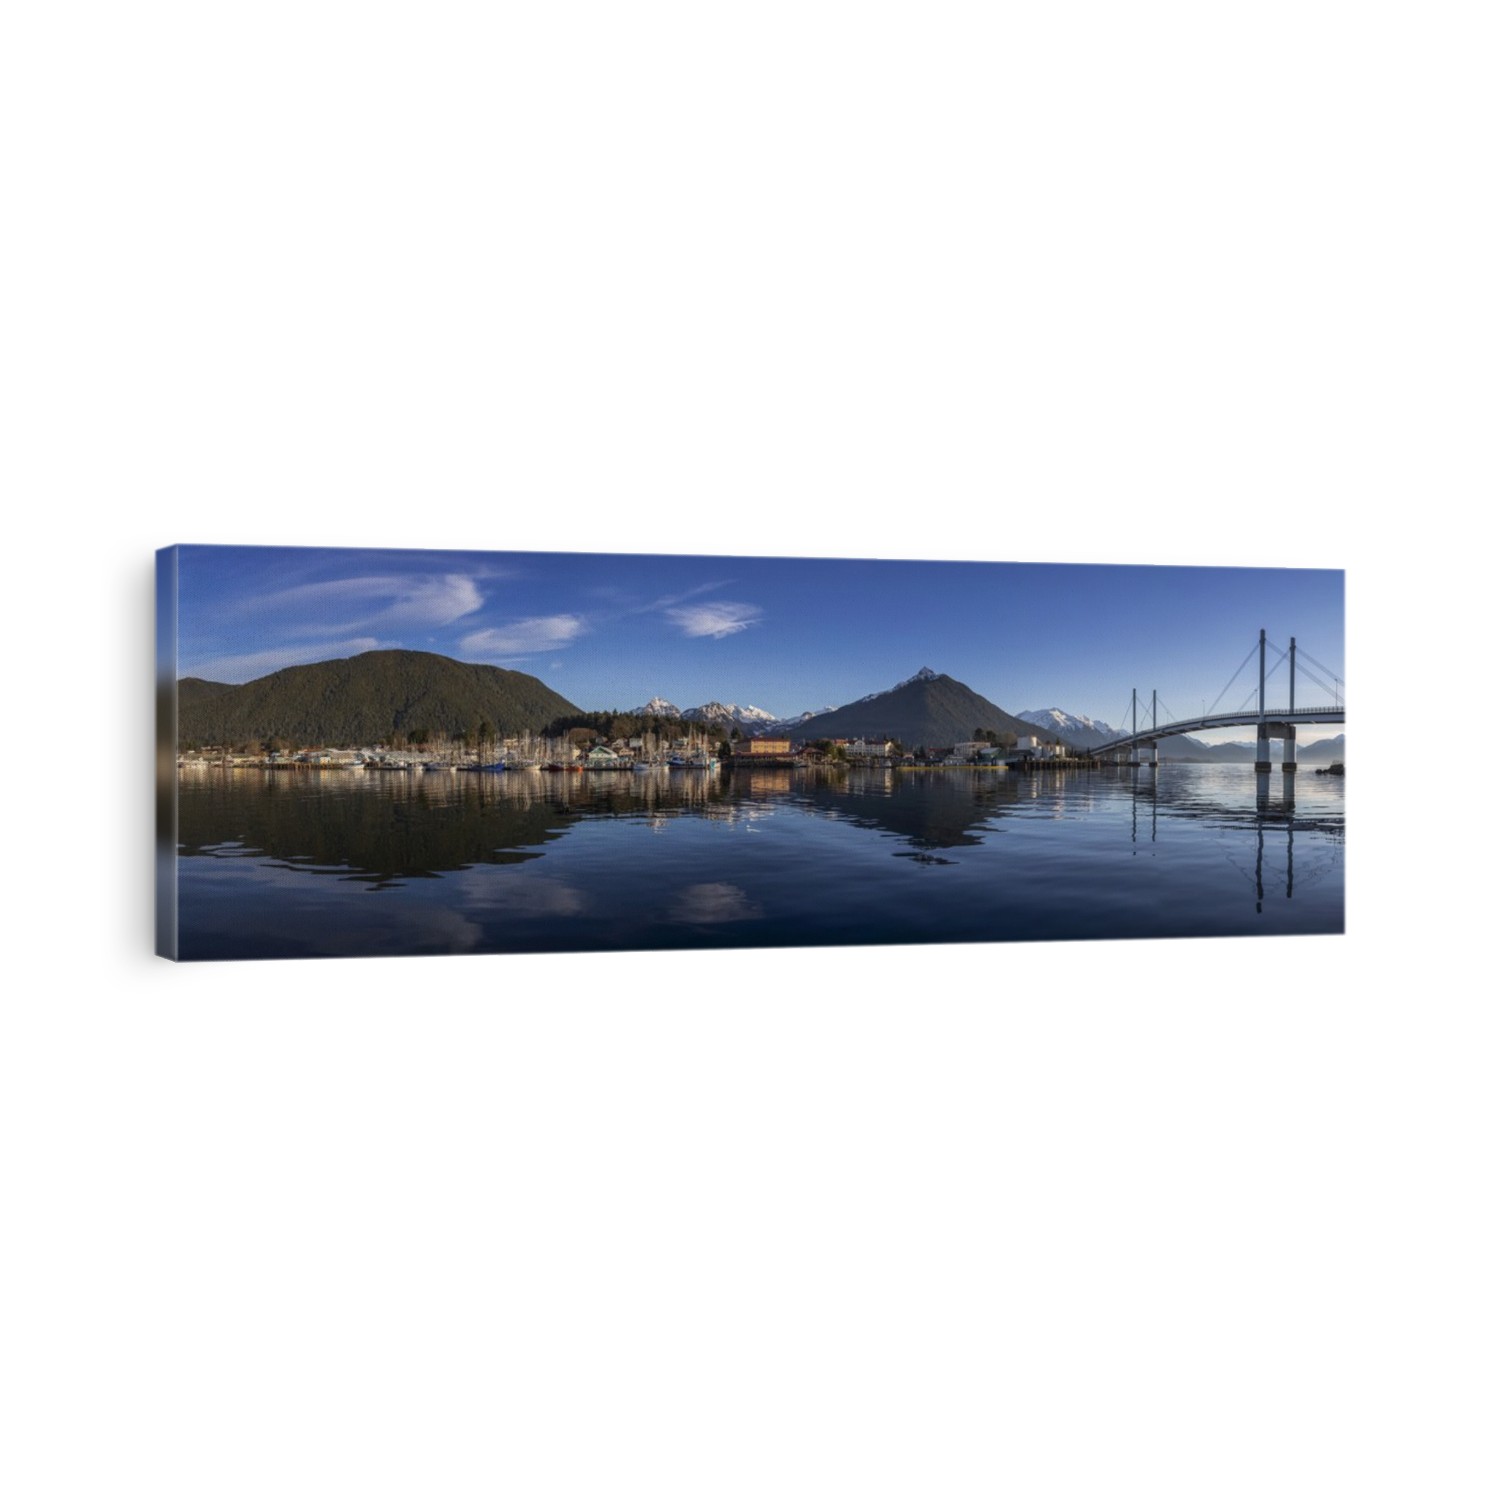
[(763, 747)]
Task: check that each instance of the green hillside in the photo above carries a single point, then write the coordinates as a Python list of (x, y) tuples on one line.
[(363, 700), (196, 689)]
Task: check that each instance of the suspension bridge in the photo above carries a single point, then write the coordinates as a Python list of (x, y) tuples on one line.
[(1138, 748)]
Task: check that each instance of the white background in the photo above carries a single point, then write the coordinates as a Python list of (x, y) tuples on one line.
[(1155, 284)]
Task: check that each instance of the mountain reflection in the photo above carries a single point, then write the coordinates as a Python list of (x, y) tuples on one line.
[(380, 828), (937, 810)]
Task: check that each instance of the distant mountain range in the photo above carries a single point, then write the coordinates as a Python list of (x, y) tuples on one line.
[(1076, 729), (363, 700), (708, 713), (745, 716)]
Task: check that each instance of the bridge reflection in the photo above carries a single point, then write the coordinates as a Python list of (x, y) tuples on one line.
[(1275, 809)]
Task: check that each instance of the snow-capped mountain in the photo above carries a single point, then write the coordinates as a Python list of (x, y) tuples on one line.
[(746, 715), (925, 675), (730, 713), (658, 708), (1077, 729), (928, 710), (798, 720)]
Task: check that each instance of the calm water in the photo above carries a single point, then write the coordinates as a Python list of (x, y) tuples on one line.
[(276, 865)]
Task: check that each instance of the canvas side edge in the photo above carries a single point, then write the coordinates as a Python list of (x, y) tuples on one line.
[(166, 753)]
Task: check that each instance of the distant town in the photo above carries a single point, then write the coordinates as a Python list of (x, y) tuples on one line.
[(585, 749)]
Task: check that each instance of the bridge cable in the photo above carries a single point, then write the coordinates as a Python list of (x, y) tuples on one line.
[(1269, 673), (1338, 697), (1308, 671), (1318, 678), (1319, 665), (1333, 692), (1251, 652)]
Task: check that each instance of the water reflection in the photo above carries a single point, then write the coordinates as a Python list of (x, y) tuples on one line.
[(718, 901), (273, 863), (1274, 808), (384, 830), (924, 810)]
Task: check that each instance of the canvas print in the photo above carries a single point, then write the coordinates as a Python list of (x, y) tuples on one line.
[(411, 752)]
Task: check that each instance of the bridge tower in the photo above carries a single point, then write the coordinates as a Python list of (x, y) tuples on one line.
[(1289, 740), (1262, 729), (1136, 758), (1267, 730)]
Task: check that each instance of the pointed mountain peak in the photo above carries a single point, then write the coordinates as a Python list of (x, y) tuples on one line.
[(658, 708), (925, 675)]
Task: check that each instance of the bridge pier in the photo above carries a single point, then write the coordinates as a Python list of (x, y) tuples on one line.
[(1262, 749), (1268, 730)]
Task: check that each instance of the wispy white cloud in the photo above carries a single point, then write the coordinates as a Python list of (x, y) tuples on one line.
[(525, 637), (252, 664), (669, 599), (716, 619), (380, 602)]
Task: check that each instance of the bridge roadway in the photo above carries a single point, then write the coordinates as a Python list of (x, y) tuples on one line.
[(1270, 717)]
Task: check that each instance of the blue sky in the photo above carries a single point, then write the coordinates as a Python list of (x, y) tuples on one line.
[(613, 630)]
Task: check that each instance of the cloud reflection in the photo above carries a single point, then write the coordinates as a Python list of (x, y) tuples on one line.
[(717, 901)]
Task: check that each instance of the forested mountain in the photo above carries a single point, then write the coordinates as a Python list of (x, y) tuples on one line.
[(364, 700)]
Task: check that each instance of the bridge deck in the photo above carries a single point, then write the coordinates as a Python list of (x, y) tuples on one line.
[(1322, 715)]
